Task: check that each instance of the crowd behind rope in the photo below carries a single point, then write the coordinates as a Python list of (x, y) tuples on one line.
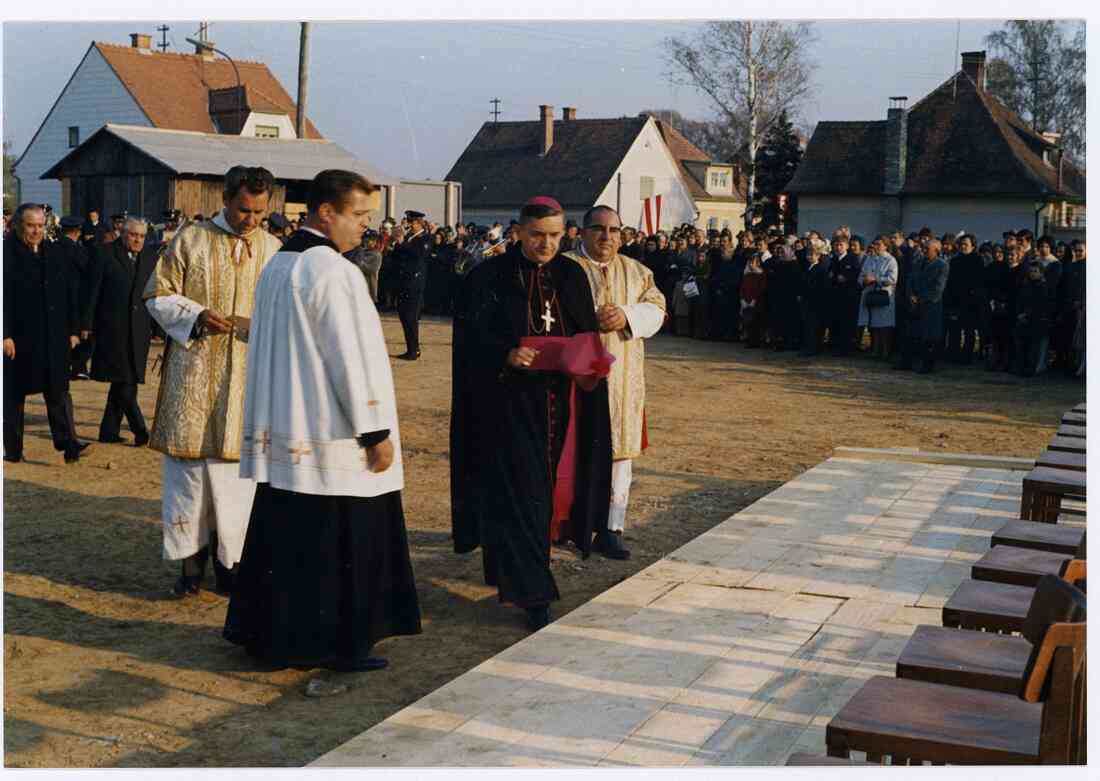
[(1016, 305)]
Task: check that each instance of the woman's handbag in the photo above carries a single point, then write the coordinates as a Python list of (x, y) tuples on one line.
[(878, 298)]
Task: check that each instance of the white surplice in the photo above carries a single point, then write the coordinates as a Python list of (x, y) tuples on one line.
[(318, 376)]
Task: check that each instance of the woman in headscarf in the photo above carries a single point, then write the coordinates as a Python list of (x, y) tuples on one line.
[(879, 272)]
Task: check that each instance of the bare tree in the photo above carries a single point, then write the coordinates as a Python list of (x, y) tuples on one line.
[(751, 70), (1039, 72)]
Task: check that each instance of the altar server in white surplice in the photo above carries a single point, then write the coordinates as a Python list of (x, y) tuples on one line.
[(325, 571), (630, 308)]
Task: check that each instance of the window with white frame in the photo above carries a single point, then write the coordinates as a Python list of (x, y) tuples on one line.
[(267, 131)]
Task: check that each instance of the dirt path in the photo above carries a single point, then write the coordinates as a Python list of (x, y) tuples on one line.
[(101, 669)]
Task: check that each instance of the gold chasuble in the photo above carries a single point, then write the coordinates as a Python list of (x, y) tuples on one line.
[(626, 283), (201, 399)]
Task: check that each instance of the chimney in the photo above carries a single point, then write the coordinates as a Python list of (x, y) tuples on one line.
[(974, 67), (141, 41), (568, 113), (896, 139), (546, 114)]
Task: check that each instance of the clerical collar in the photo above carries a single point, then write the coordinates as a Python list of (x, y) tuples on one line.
[(221, 221)]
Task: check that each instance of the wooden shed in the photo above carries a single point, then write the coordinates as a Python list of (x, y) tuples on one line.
[(146, 171)]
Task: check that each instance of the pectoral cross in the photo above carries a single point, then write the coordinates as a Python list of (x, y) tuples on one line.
[(296, 453), (547, 319)]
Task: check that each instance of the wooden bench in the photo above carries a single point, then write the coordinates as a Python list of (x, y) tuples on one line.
[(1055, 459), (1044, 488), (1069, 540), (1067, 444), (987, 661), (1070, 430), (1074, 418), (1023, 566), (916, 721)]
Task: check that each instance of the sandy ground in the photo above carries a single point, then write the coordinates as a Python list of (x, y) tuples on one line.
[(102, 669)]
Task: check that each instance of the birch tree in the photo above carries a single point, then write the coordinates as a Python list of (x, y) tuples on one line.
[(751, 71)]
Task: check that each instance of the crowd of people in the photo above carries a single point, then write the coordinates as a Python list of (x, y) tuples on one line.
[(911, 299)]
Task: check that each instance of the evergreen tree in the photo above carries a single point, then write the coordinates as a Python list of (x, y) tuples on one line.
[(776, 161)]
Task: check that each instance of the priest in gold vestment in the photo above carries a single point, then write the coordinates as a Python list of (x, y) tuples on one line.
[(201, 295), (629, 308)]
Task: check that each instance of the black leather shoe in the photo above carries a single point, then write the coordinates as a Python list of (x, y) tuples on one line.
[(111, 440), (13, 459), (610, 544), (187, 585), (538, 617), (74, 452), (406, 356), (141, 439)]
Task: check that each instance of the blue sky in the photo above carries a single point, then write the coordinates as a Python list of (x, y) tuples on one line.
[(408, 96)]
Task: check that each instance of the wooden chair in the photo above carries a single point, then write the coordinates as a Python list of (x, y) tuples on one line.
[(1067, 444), (1074, 418), (1069, 540), (994, 607), (1022, 566), (1045, 488), (912, 722), (1071, 430), (982, 660), (1055, 459)]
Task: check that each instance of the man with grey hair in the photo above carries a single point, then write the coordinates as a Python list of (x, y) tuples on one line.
[(41, 323), (927, 279), (115, 315)]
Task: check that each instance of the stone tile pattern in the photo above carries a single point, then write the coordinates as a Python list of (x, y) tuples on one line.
[(737, 648)]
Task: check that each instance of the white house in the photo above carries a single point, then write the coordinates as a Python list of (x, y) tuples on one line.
[(957, 160), (624, 163), (137, 85)]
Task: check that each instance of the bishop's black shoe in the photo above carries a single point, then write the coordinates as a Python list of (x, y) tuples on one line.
[(538, 617), (610, 545), (141, 439), (409, 356), (75, 450), (116, 439), (13, 459)]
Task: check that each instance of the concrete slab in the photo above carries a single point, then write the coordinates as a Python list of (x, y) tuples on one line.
[(735, 649)]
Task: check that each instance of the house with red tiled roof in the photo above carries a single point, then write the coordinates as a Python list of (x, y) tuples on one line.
[(958, 159), (137, 85), (719, 189)]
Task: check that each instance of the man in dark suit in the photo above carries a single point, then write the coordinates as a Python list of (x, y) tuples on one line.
[(411, 259), (41, 322), (122, 328), (80, 266)]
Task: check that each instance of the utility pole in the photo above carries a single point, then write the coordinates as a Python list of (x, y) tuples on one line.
[(163, 45), (496, 109), (303, 81)]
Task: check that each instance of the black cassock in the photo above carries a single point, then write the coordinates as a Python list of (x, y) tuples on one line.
[(508, 425)]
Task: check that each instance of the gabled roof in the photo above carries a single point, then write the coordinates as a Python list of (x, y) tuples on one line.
[(960, 141), (684, 151), (843, 157), (502, 167), (212, 154), (172, 88)]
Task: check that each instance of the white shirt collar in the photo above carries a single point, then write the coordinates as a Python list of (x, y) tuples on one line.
[(314, 231), (586, 256)]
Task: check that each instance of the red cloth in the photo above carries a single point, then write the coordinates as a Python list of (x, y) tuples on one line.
[(583, 358)]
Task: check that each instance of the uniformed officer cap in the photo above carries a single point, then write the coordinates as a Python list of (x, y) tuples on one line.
[(68, 222), (411, 215)]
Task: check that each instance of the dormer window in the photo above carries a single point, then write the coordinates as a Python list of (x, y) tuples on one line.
[(719, 180)]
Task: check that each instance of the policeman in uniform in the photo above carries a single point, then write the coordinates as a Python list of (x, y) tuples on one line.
[(411, 259)]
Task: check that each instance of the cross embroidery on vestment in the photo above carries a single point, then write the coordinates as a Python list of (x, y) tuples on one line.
[(296, 453), (180, 524)]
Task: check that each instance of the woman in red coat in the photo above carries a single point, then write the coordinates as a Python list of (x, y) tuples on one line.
[(754, 288)]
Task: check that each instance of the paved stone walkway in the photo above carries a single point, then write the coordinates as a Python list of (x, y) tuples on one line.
[(736, 649)]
